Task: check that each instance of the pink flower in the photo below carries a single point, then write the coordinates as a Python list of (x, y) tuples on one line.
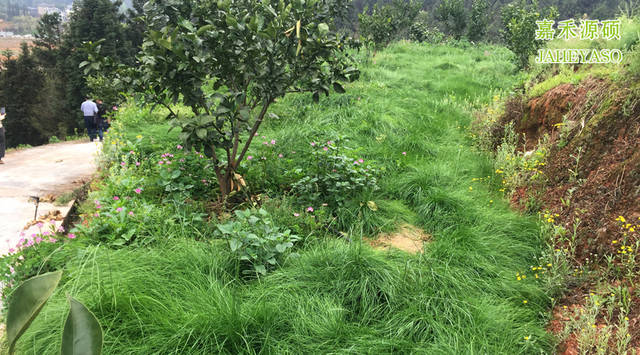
[(132, 152), (38, 240), (71, 236), (116, 198), (137, 163), (255, 134), (313, 144), (204, 181), (11, 250), (118, 209), (273, 142), (52, 240), (265, 143), (360, 160), (280, 155), (61, 229), (169, 161), (404, 153), (98, 207), (12, 269), (296, 214), (329, 142), (46, 233), (309, 209), (123, 163), (138, 190), (325, 149), (40, 225), (249, 157), (179, 146), (160, 162), (96, 214), (130, 213)]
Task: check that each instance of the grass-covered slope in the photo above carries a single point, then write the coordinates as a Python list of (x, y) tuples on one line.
[(460, 296)]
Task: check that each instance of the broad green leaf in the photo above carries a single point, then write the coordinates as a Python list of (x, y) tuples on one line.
[(82, 333), (204, 29), (201, 133), (231, 21), (26, 302), (234, 244), (323, 28), (225, 228), (260, 269)]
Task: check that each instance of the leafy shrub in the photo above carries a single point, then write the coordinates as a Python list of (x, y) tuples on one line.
[(452, 15), (256, 241), (186, 174), (519, 29), (333, 178), (478, 20), (34, 255), (388, 22), (420, 32), (122, 220)]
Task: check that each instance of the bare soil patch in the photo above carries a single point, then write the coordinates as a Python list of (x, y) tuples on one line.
[(407, 238)]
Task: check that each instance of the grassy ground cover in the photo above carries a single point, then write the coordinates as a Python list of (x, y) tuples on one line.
[(180, 291)]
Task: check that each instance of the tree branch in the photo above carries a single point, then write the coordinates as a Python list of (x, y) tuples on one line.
[(253, 131)]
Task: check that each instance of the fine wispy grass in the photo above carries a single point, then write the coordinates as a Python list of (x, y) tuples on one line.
[(460, 296)]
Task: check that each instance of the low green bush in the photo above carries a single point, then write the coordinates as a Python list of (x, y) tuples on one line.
[(256, 241), (44, 251)]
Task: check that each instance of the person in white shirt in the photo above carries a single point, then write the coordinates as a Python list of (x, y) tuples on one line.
[(89, 110), (2, 138)]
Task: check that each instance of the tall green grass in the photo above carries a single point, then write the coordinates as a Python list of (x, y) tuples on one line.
[(460, 296)]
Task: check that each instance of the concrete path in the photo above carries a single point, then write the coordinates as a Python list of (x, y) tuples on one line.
[(48, 170)]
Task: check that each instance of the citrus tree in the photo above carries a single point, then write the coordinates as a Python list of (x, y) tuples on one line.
[(229, 60)]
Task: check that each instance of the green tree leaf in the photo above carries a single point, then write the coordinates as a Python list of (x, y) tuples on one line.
[(26, 302), (82, 333)]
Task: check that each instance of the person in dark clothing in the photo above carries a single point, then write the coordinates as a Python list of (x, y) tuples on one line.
[(100, 118), (89, 110), (2, 138)]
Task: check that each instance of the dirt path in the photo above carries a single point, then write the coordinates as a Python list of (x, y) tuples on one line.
[(41, 171)]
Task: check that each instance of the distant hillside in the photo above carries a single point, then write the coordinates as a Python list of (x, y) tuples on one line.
[(13, 8)]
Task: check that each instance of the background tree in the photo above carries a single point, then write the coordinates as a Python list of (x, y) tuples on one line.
[(478, 20), (519, 29), (229, 61), (48, 37), (452, 15), (21, 79), (388, 22), (91, 21)]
